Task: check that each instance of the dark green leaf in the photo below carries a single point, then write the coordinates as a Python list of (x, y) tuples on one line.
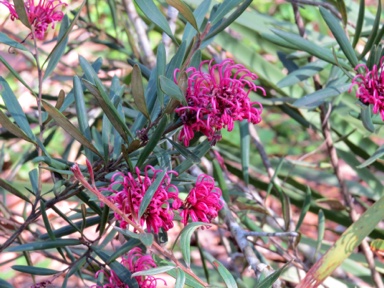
[(185, 11), (359, 23), (171, 89), (305, 208), (199, 15), (124, 249), (366, 118), (15, 130), (219, 176), (10, 188), (44, 245), (199, 151), (8, 41), (5, 284), (145, 238), (138, 91), (21, 13), (245, 149), (222, 10), (34, 270), (160, 66), (373, 33), (379, 152), (185, 240), (185, 152)]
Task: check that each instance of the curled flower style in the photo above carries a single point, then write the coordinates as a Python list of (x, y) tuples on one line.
[(371, 86), (217, 98), (135, 261), (159, 213), (203, 201), (40, 15)]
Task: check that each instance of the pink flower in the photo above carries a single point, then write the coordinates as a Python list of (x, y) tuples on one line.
[(371, 87), (40, 15), (217, 98), (128, 198), (203, 201), (135, 261)]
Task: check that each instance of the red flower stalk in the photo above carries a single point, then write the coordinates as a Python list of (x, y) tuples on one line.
[(203, 201), (40, 15), (371, 87), (159, 212), (135, 261), (217, 98)]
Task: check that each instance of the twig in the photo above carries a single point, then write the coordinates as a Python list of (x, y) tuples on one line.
[(148, 58)]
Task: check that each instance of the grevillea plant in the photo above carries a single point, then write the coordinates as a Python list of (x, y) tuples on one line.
[(212, 144)]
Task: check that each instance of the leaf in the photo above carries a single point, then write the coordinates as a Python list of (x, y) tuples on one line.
[(171, 89), (151, 192), (225, 274), (185, 240), (378, 153), (15, 109), (138, 91), (185, 11), (5, 284), (59, 49), (153, 271), (10, 188), (185, 152), (180, 279), (270, 279), (303, 73), (15, 130), (127, 246), (14, 72), (366, 118), (34, 270), (151, 11), (359, 23), (64, 123), (245, 149), (199, 151), (145, 238), (21, 13), (153, 141), (320, 232), (161, 59), (8, 41), (222, 10), (44, 245), (340, 36), (377, 246), (344, 246), (316, 98), (199, 15)]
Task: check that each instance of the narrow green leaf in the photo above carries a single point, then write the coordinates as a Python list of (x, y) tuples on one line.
[(373, 33), (14, 73), (311, 48), (33, 178), (320, 232), (150, 10), (222, 10), (359, 23), (156, 136), (15, 130), (316, 98), (15, 109), (64, 123), (5, 284), (160, 66), (145, 238), (8, 41), (245, 142), (199, 151), (185, 11), (138, 91), (199, 14), (185, 240), (34, 270), (46, 220), (219, 176), (305, 208), (366, 118), (150, 192), (104, 220), (378, 153), (180, 279), (21, 13), (124, 249), (185, 152), (225, 274), (44, 245), (340, 36), (10, 188), (153, 271), (270, 279), (58, 51), (171, 89)]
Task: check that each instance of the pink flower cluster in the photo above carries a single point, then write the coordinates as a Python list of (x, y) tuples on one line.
[(159, 212), (371, 86), (217, 98), (134, 261), (40, 15)]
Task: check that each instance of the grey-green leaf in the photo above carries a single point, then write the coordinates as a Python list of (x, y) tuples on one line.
[(44, 245), (171, 89), (34, 270), (185, 240)]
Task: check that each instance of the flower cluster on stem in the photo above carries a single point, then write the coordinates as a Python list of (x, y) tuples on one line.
[(370, 84), (40, 15), (216, 99)]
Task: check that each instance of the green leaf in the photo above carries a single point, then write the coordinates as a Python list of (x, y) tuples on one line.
[(316, 98), (58, 51), (225, 274), (64, 123), (311, 48), (10, 188), (199, 151), (366, 118), (44, 245), (303, 73), (359, 23), (160, 66), (21, 13), (138, 91), (153, 141), (171, 89), (82, 113), (5, 284), (305, 208), (377, 245), (340, 36), (185, 240), (199, 15), (180, 279), (150, 192), (270, 279), (34, 270), (373, 33), (150, 10), (185, 11), (153, 271), (8, 41), (245, 142), (219, 176), (145, 238), (185, 152), (14, 72), (222, 10), (127, 246), (15, 130), (15, 109), (378, 153), (320, 232)]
